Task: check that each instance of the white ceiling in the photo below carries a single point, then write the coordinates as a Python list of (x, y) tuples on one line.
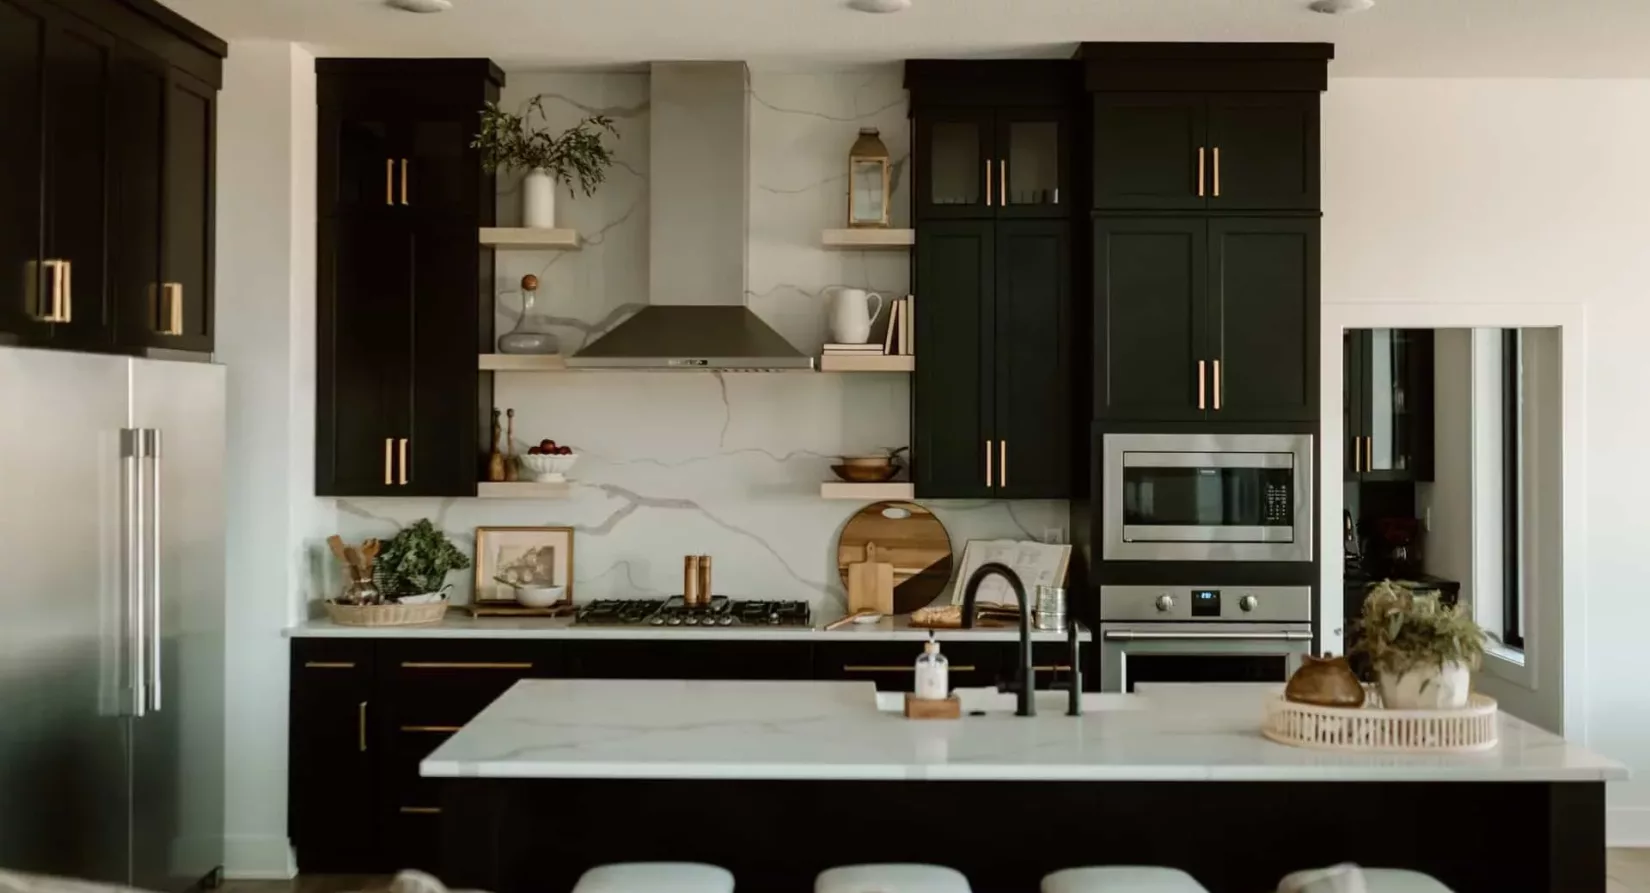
[(1548, 38)]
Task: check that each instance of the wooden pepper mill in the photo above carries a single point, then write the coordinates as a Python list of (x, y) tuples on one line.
[(495, 459)]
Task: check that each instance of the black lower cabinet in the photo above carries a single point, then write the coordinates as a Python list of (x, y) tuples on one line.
[(333, 749)]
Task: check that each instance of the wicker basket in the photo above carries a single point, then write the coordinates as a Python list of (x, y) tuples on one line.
[(386, 615), (1374, 728)]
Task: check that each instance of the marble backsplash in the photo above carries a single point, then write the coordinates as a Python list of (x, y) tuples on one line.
[(727, 465)]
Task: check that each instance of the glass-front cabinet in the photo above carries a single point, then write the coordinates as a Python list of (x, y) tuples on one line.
[(975, 163), (1388, 404)]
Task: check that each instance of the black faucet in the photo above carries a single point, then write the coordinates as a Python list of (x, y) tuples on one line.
[(1024, 686)]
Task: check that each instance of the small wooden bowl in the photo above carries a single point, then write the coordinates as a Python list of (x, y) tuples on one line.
[(867, 461), (865, 474)]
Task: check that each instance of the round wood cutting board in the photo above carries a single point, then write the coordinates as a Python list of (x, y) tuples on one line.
[(910, 538)]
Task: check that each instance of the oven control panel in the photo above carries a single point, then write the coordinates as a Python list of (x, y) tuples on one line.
[(1205, 602), (1241, 604)]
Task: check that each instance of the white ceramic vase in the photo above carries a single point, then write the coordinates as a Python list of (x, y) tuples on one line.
[(538, 200), (1427, 687)]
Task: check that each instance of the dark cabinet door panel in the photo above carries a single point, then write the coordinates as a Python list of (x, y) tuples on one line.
[(1032, 416), (191, 129), (1032, 163), (78, 92), (1150, 318), (360, 160), (441, 175), (22, 78), (1267, 145), (956, 164), (1354, 348), (951, 399), (442, 431), (140, 99), (333, 750), (1264, 319), (1146, 151)]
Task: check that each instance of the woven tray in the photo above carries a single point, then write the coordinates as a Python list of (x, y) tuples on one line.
[(1373, 728), (386, 615)]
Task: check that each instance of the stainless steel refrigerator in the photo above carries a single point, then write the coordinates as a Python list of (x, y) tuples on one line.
[(111, 617)]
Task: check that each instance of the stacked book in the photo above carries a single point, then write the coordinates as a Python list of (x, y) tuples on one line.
[(897, 341)]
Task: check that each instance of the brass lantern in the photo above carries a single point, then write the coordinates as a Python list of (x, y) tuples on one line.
[(869, 172)]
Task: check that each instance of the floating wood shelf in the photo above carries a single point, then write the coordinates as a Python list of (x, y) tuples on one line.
[(870, 239), (866, 492), (520, 237), (523, 362), (871, 363), (523, 490)]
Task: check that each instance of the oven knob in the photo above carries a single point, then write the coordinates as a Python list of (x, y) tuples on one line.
[(1248, 603), (1165, 603)]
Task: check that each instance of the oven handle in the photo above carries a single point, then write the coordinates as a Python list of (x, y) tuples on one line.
[(1282, 636)]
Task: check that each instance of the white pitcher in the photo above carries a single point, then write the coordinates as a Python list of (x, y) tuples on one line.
[(852, 313)]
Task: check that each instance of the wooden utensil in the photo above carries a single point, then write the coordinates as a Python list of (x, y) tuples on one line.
[(844, 621), (336, 543), (871, 583), (908, 537)]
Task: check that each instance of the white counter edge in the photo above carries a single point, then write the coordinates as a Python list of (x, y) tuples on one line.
[(507, 628)]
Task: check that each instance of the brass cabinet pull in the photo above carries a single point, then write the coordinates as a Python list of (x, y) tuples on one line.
[(988, 463), (68, 292), (329, 664), (1357, 454), (177, 309), (1201, 176), (1369, 453), (879, 668), (1217, 173), (403, 461), (463, 665), (1002, 182), (389, 474), (1052, 668), (420, 810), (171, 295), (988, 182), (430, 728), (1002, 463), (389, 181), (54, 286), (1202, 395), (1217, 385), (404, 181), (361, 726)]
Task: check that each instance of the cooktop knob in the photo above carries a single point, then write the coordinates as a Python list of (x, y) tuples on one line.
[(674, 621), (1165, 603), (724, 620), (1248, 603), (657, 621)]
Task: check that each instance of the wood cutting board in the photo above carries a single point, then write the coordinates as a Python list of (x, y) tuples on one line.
[(910, 538)]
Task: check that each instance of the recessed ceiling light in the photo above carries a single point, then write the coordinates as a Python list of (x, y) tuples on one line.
[(421, 5), (880, 5), (1337, 7)]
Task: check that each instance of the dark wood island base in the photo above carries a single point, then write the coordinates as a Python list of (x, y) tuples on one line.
[(537, 836)]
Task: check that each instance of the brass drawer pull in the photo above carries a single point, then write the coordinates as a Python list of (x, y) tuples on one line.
[(361, 726), (1055, 668), (329, 664), (462, 665), (421, 810), (389, 181), (878, 668), (430, 728)]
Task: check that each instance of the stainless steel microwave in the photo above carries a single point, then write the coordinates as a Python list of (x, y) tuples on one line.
[(1206, 497)]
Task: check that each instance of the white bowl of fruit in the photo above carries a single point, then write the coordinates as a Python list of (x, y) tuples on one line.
[(548, 463)]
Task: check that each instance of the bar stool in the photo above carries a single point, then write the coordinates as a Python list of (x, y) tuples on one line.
[(1121, 879), (892, 877), (1374, 880), (655, 877)]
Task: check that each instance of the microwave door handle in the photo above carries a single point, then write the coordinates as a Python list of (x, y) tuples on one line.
[(1151, 635)]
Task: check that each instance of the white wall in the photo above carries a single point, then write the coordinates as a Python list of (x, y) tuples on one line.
[(1526, 192), (266, 336)]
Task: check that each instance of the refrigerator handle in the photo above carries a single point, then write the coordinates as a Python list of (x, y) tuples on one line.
[(131, 506), (152, 444)]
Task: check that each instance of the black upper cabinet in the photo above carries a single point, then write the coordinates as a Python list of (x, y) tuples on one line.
[(400, 272), (1032, 359), (1389, 404), (107, 193), (985, 162), (1206, 319), (1263, 151)]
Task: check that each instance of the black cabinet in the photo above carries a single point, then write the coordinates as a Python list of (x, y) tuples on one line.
[(991, 162), (990, 399), (401, 307), (1388, 404), (1214, 151), (1206, 319), (333, 746), (108, 184)]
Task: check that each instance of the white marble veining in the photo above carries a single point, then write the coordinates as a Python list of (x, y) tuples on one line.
[(833, 731), (727, 465), (888, 629)]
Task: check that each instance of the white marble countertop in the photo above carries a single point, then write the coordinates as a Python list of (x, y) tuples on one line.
[(833, 731), (461, 626)]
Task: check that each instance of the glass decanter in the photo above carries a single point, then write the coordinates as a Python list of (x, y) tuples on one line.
[(529, 335)]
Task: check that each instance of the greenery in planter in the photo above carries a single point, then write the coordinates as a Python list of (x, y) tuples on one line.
[(510, 142), (1403, 631), (416, 561)]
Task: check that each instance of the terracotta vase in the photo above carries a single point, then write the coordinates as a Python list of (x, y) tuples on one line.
[(1325, 682)]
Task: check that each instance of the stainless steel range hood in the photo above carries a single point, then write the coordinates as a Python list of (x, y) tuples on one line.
[(698, 235)]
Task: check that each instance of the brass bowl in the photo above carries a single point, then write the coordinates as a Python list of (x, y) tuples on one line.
[(867, 461), (865, 474)]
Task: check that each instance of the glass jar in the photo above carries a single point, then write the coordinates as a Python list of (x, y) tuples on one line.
[(529, 336)]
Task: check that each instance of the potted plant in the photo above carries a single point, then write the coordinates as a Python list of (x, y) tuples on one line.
[(416, 561), (511, 142), (1423, 651)]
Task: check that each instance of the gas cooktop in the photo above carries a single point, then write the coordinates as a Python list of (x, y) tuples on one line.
[(675, 612)]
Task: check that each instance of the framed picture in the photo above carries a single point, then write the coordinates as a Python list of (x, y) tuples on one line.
[(512, 557)]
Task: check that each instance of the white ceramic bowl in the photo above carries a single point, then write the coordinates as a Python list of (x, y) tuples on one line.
[(540, 596), (547, 469)]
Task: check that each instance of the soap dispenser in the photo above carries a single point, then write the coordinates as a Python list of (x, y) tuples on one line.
[(932, 672)]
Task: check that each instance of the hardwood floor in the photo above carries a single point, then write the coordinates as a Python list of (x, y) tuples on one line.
[(1629, 872)]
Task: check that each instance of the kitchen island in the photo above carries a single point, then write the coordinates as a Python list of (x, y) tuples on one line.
[(778, 780)]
